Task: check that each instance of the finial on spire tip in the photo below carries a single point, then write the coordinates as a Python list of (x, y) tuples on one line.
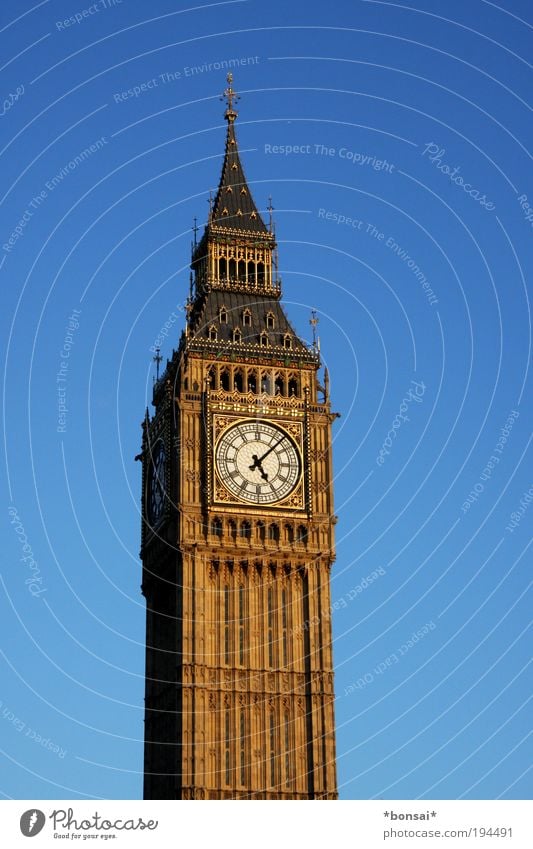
[(231, 98)]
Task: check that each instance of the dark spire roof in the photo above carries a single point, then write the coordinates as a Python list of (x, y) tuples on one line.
[(234, 206)]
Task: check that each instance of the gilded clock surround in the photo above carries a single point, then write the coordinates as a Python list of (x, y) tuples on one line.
[(239, 675), (222, 493)]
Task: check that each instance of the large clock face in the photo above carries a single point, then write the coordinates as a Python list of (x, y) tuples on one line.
[(257, 462), (156, 486)]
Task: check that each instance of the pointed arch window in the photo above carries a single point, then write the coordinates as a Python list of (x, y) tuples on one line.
[(238, 380), (266, 383), (287, 341), (227, 737), (216, 528), (223, 315), (284, 626), (243, 191), (270, 321), (245, 530), (213, 335), (273, 533), (270, 626), (287, 752), (293, 386), (224, 380), (242, 735), (247, 318), (272, 738), (263, 339), (301, 534), (226, 624), (242, 622), (237, 335)]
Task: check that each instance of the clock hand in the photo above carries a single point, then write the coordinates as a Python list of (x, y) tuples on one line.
[(270, 449), (258, 465)]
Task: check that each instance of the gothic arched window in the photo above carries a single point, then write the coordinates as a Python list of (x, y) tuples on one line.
[(301, 534), (293, 386), (216, 528), (224, 380), (273, 533)]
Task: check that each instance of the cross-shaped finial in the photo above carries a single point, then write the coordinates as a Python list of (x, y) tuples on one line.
[(313, 321), (230, 97), (270, 209), (157, 359)]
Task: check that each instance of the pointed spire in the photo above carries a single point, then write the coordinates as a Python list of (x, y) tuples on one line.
[(234, 207)]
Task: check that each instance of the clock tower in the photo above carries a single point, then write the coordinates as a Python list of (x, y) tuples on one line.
[(237, 536)]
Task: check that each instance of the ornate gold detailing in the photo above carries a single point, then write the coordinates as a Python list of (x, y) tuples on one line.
[(231, 97)]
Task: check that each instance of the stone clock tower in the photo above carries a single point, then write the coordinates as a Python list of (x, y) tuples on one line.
[(237, 539)]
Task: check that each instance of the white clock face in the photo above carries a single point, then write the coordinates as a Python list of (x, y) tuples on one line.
[(258, 462)]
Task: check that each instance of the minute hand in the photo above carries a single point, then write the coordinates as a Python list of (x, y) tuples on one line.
[(260, 460)]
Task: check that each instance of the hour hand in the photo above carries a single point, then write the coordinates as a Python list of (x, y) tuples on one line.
[(257, 465)]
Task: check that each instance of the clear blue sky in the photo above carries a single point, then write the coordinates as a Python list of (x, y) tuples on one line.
[(394, 142)]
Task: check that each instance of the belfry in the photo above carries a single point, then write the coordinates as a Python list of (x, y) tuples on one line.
[(238, 531)]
